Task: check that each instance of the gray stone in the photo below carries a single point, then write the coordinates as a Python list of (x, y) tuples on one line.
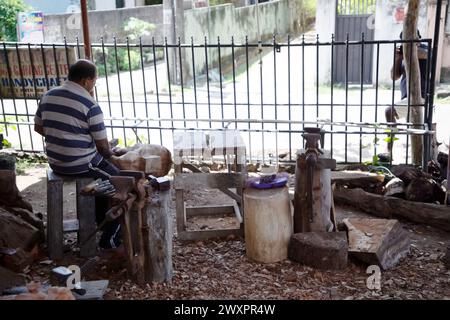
[(322, 250), (94, 290)]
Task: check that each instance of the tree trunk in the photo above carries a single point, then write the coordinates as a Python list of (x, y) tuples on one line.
[(413, 77), (437, 216)]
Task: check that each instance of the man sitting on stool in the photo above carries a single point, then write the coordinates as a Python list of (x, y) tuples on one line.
[(71, 122)]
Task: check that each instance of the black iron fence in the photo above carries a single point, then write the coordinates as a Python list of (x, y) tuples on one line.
[(269, 91)]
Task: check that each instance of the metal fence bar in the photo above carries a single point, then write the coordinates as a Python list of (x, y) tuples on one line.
[(234, 80), (11, 87), (317, 76), (220, 78), (289, 96), (120, 90), (377, 69), (361, 95), (19, 61), (248, 95), (181, 80), (391, 137), (346, 97), (303, 84), (260, 50), (144, 86), (275, 78), (332, 92), (194, 78), (157, 88), (207, 78), (168, 82)]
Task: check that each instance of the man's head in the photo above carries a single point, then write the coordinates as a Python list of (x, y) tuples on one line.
[(83, 72)]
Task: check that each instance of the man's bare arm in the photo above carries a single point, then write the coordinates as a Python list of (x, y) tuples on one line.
[(39, 129), (104, 148)]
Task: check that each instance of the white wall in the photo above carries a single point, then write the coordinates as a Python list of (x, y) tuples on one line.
[(325, 27), (225, 21), (105, 4), (386, 28)]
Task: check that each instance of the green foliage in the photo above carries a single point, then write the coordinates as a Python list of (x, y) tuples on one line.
[(136, 28), (8, 13), (390, 139), (23, 164), (356, 7), (123, 61), (6, 143), (219, 2)]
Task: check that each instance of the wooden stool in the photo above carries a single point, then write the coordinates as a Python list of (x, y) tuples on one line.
[(56, 226), (226, 143)]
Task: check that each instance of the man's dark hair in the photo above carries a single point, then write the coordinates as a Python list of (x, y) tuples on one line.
[(82, 69)]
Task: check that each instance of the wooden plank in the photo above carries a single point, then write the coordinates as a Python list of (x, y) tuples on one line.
[(356, 179), (229, 193), (208, 180), (55, 238), (209, 210), (377, 241), (232, 195), (437, 216), (86, 219), (208, 234)]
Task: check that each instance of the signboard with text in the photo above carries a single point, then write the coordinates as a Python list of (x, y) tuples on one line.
[(30, 27), (23, 73)]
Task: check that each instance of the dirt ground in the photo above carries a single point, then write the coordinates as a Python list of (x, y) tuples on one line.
[(219, 269)]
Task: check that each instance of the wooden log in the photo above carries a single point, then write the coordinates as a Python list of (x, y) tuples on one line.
[(322, 195), (406, 173), (159, 222), (16, 233), (18, 260), (7, 162), (10, 195), (437, 216), (9, 279), (268, 224), (424, 190), (377, 241), (208, 180), (27, 216), (356, 179)]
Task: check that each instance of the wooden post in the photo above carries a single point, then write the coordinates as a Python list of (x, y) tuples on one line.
[(411, 60), (86, 219), (55, 237), (159, 222), (86, 36)]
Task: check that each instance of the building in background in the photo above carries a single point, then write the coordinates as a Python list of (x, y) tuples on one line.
[(53, 7)]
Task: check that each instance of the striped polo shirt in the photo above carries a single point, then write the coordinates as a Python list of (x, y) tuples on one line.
[(71, 121)]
